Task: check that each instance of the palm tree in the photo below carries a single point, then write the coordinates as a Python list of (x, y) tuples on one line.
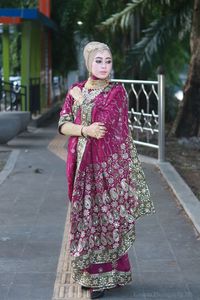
[(176, 21)]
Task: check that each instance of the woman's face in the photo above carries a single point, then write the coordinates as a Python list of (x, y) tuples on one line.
[(102, 64)]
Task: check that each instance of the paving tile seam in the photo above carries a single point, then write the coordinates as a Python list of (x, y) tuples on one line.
[(9, 166), (64, 287), (177, 262), (170, 247), (182, 192), (57, 146), (139, 270)]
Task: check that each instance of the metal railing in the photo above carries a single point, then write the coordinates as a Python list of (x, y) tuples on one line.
[(147, 112), (12, 96)]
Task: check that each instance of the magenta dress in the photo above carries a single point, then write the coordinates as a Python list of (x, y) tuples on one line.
[(106, 186)]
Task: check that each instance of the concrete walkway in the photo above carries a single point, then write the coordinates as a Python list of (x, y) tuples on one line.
[(34, 264)]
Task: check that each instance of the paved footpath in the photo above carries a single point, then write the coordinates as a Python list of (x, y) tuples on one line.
[(34, 263)]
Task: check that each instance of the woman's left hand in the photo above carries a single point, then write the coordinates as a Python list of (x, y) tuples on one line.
[(96, 130)]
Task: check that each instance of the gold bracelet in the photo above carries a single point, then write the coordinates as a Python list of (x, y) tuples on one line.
[(82, 131), (82, 134)]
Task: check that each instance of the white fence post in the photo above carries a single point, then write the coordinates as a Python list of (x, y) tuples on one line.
[(161, 113)]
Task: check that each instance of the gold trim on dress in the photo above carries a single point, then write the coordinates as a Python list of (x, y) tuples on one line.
[(96, 84), (105, 280)]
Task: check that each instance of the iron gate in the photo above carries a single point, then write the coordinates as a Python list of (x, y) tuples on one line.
[(147, 112), (12, 95)]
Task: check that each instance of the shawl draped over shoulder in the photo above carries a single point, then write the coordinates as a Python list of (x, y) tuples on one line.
[(106, 184)]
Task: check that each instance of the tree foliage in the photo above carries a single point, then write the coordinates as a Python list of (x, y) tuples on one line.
[(169, 29), (164, 39), (67, 13)]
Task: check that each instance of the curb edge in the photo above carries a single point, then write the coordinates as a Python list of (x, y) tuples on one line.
[(183, 193), (9, 166), (179, 187)]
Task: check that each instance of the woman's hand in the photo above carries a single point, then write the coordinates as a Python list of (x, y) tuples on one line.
[(96, 130)]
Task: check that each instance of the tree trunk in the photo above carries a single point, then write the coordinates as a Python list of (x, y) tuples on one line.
[(187, 122)]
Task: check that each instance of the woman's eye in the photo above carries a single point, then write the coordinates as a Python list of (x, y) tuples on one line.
[(108, 61), (98, 61)]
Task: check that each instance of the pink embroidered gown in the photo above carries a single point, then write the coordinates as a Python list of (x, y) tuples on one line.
[(106, 187)]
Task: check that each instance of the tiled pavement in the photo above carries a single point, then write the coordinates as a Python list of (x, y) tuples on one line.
[(34, 239), (32, 218)]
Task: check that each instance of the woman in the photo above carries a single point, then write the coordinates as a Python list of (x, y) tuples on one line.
[(106, 184)]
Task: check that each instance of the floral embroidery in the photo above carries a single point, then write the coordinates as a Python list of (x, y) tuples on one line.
[(109, 189), (103, 280)]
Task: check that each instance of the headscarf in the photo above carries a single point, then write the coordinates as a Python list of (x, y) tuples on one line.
[(91, 50)]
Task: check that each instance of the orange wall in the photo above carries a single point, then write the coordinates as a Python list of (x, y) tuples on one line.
[(10, 20), (45, 7)]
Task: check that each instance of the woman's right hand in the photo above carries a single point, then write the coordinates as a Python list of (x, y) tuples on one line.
[(96, 130)]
